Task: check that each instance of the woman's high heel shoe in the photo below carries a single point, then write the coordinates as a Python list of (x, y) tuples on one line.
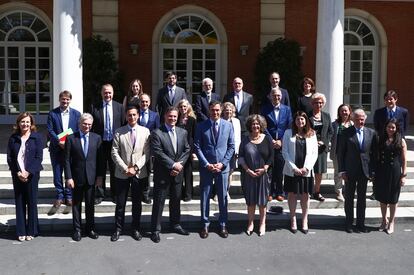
[(383, 227), (390, 228), (293, 226), (21, 238), (249, 232)]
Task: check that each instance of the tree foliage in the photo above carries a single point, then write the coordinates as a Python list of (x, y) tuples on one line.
[(282, 56)]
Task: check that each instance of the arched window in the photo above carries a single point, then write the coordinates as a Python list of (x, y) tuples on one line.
[(361, 63), (25, 64), (189, 46)]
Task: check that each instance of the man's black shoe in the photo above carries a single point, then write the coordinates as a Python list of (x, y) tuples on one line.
[(77, 236), (136, 235), (115, 236), (179, 230), (93, 235), (155, 237)]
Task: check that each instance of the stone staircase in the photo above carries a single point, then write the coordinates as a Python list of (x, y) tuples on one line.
[(329, 212)]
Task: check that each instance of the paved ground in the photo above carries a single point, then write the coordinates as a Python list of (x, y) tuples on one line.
[(322, 251)]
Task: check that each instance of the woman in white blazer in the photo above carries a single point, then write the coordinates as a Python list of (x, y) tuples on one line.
[(300, 151)]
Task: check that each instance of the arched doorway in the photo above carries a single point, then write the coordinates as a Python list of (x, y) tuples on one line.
[(361, 66), (25, 65), (189, 46)]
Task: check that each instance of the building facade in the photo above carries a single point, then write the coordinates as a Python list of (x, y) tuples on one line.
[(356, 50)]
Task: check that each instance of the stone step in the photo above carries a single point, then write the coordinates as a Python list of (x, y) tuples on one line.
[(237, 219), (7, 206), (47, 190)]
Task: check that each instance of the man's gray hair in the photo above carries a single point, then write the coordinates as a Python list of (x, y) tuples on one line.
[(84, 117)]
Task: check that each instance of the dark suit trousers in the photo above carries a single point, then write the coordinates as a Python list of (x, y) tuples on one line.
[(121, 197), (188, 180), (276, 187), (25, 195), (106, 153), (79, 192), (361, 187), (160, 193), (58, 161)]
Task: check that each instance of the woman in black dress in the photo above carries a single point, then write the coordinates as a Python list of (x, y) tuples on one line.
[(391, 172), (134, 92), (321, 124), (187, 120), (305, 100), (255, 157), (300, 151)]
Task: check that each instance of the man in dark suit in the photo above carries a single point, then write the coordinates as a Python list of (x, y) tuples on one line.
[(59, 120), (108, 116), (169, 95), (150, 120), (279, 119), (243, 102), (203, 99), (171, 150), (131, 153), (391, 110), (274, 79), (214, 146), (83, 170), (356, 163)]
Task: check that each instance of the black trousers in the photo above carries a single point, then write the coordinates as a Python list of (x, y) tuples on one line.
[(121, 197), (160, 193), (276, 187), (79, 192), (109, 163), (188, 180), (360, 185)]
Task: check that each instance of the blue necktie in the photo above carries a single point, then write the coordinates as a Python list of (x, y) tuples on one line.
[(85, 146), (143, 119), (108, 130)]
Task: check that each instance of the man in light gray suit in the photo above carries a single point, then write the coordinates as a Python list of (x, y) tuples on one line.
[(130, 153), (214, 146), (171, 150), (169, 95), (356, 163)]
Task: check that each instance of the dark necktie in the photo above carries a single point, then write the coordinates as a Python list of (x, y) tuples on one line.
[(85, 145)]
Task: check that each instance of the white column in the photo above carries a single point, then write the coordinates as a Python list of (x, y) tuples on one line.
[(330, 53), (67, 51)]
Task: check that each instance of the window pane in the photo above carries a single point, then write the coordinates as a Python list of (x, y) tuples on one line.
[(169, 65), (38, 26), (210, 65), (168, 53), (367, 77), (13, 51), (30, 75), (366, 99), (350, 39), (27, 19), (355, 66), (355, 77), (14, 86), (44, 35), (43, 63), (197, 76), (13, 63), (21, 35), (44, 86), (195, 22), (367, 66), (44, 97), (354, 88), (44, 75), (30, 52), (13, 74), (353, 24), (14, 19), (30, 63), (369, 40), (206, 28), (210, 54), (366, 88), (355, 55), (197, 54), (367, 55), (30, 98), (5, 25), (354, 99), (211, 74), (181, 65), (30, 87), (181, 54), (211, 38), (2, 77), (197, 65), (43, 52), (189, 37), (183, 22), (363, 30)]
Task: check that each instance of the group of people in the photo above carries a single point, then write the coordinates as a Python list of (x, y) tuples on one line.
[(279, 154)]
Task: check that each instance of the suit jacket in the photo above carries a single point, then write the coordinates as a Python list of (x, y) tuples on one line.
[(55, 126), (164, 156), (163, 99), (245, 109), (125, 154), (353, 160), (327, 131), (83, 170), (208, 150), (190, 127), (201, 105), (33, 153), (381, 117), (97, 111), (276, 128), (289, 153), (153, 120)]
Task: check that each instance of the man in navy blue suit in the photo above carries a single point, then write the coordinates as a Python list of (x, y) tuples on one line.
[(391, 110), (214, 146), (203, 99), (59, 120), (108, 115), (83, 170), (274, 79), (279, 119), (150, 120)]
